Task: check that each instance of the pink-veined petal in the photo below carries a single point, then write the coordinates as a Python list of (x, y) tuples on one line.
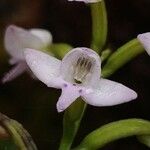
[(145, 41), (16, 39), (17, 70), (69, 94), (44, 35), (109, 93), (45, 67)]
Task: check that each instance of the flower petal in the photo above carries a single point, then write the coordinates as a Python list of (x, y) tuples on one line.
[(86, 1), (70, 60), (17, 38), (15, 72), (109, 93), (69, 94), (45, 67), (145, 41), (44, 35)]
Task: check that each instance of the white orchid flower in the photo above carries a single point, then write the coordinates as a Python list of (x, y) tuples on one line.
[(87, 1), (16, 39), (78, 74), (145, 41)]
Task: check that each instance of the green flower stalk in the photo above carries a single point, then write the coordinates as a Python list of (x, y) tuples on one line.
[(121, 56), (105, 54), (99, 25), (71, 122)]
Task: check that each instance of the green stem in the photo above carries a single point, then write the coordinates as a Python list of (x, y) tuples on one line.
[(99, 25), (71, 123), (121, 56), (114, 131)]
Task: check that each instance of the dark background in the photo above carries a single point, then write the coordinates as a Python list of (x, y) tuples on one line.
[(33, 104)]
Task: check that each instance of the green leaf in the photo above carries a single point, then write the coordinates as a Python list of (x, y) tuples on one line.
[(114, 131), (122, 55), (18, 134)]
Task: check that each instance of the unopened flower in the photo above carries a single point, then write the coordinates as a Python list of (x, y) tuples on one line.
[(145, 41), (78, 74), (16, 39), (87, 1)]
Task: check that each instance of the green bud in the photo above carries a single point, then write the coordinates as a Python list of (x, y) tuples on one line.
[(60, 49)]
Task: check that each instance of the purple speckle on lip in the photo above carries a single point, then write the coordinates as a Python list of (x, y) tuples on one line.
[(65, 85), (74, 84), (80, 91)]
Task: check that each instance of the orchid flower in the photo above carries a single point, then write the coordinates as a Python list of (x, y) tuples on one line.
[(145, 41), (16, 39), (78, 74), (87, 1)]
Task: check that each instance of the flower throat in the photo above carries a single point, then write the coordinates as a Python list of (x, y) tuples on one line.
[(81, 69)]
